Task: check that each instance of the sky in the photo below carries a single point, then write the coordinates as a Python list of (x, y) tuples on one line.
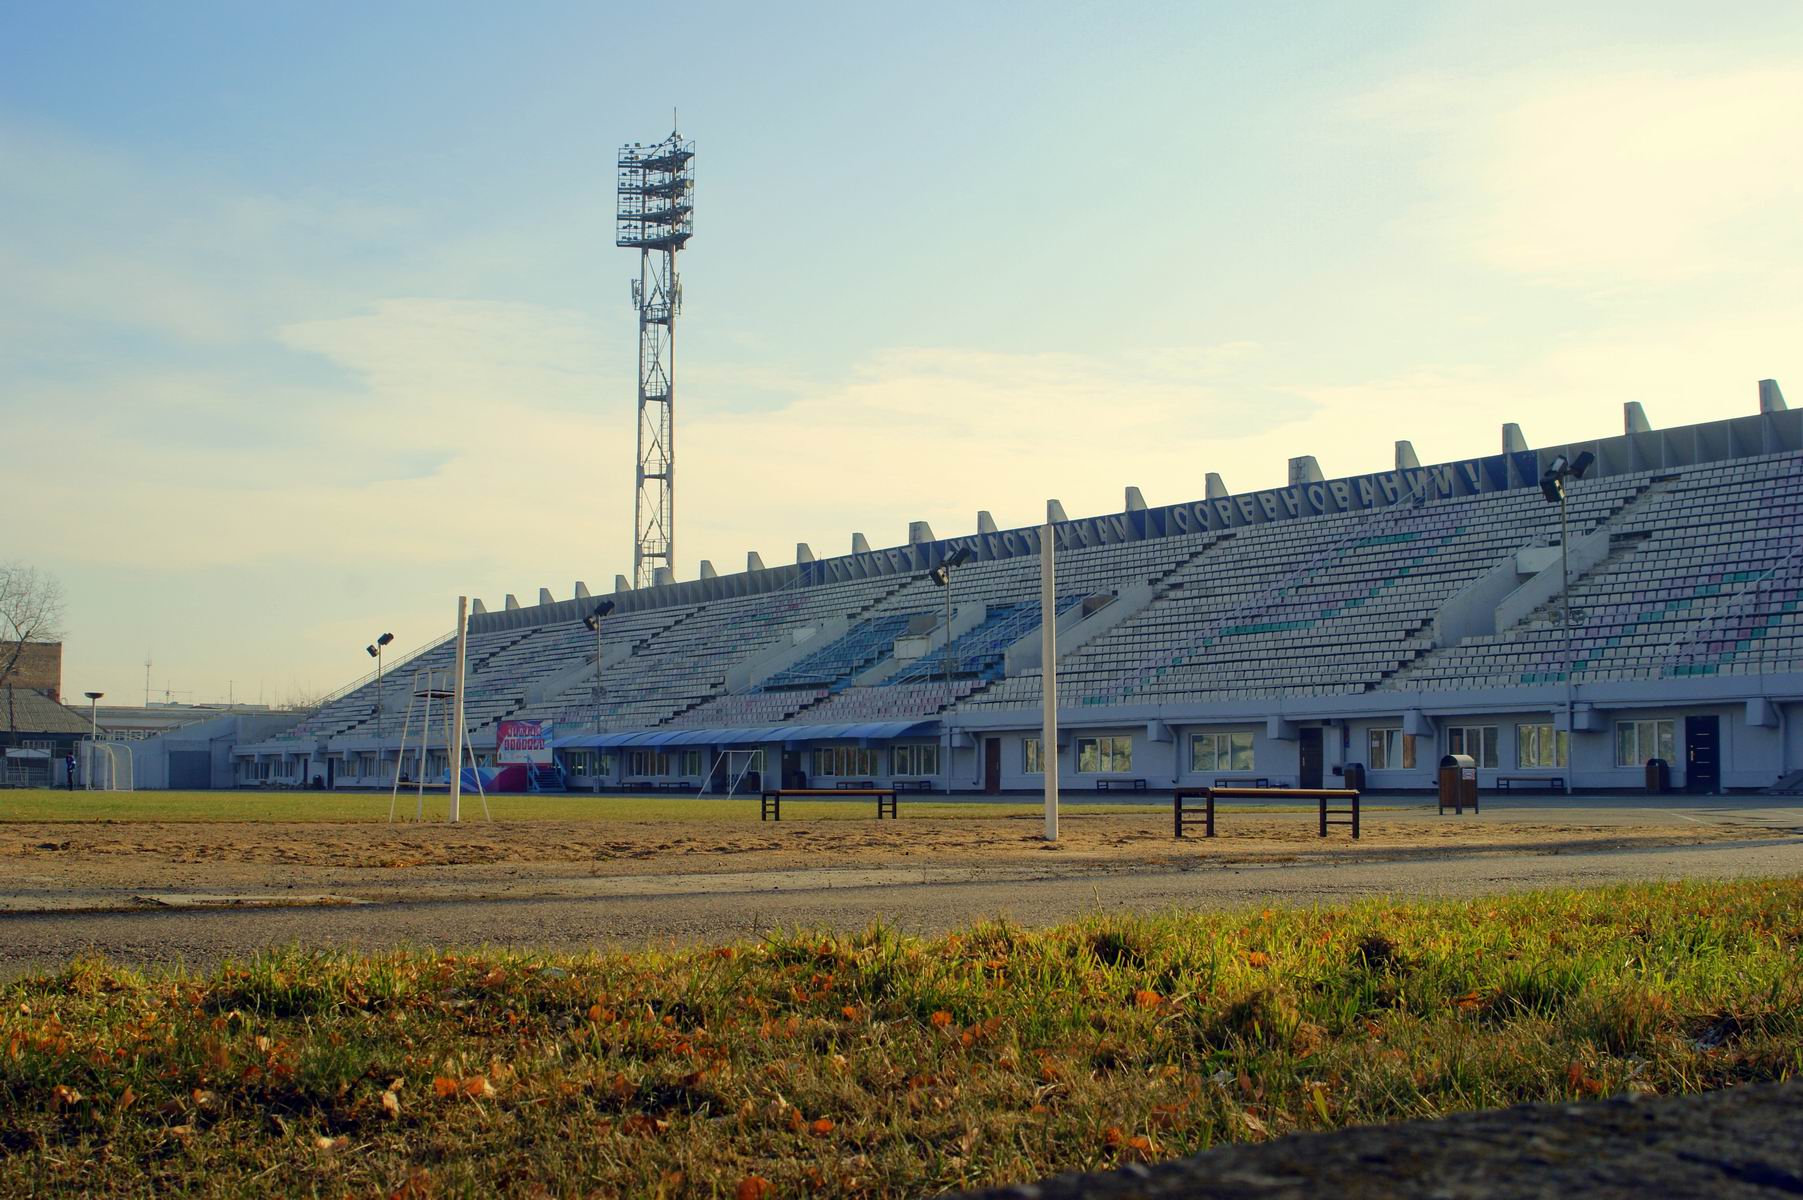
[(311, 318)]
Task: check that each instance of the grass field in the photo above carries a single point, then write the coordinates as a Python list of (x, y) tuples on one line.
[(880, 1064), (55, 804)]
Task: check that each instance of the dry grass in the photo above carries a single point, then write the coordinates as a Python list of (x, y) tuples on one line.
[(879, 1064)]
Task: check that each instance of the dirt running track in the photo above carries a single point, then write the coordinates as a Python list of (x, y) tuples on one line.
[(714, 908)]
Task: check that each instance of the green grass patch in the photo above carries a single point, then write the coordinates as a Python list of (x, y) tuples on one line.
[(879, 1064), (57, 804)]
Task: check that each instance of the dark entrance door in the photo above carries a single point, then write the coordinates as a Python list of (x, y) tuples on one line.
[(792, 776), (1702, 754), (331, 773), (992, 766), (190, 769), (1309, 739)]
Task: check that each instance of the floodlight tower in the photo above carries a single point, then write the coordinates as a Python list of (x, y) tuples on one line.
[(656, 186)]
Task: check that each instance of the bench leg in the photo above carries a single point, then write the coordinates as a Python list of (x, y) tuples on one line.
[(1209, 823), (1323, 816)]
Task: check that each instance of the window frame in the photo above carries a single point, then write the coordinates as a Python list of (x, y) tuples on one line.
[(1393, 738), (1543, 731), (911, 759), (830, 762), (1112, 754), (1228, 741), (1032, 756), (1664, 731), (1488, 757)]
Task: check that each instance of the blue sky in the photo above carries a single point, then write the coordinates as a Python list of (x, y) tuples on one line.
[(311, 317)]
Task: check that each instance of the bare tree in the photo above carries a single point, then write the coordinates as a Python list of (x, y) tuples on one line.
[(31, 610)]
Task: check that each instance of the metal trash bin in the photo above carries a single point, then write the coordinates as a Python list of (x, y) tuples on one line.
[(1353, 775), (1458, 783), (1658, 776)]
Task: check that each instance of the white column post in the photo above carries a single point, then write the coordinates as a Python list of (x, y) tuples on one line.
[(1048, 654), (456, 747)]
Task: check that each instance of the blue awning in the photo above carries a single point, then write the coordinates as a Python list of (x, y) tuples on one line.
[(752, 735)]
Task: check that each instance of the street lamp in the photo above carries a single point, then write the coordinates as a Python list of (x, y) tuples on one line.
[(593, 621), (941, 576), (1552, 486), (374, 650), (93, 729)]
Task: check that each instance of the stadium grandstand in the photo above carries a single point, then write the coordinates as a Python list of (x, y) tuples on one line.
[(1330, 629)]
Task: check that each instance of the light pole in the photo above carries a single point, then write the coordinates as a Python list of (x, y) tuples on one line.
[(593, 621), (374, 650), (941, 576), (1552, 486), (93, 730)]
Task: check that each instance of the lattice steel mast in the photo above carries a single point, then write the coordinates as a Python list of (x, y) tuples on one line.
[(656, 188)]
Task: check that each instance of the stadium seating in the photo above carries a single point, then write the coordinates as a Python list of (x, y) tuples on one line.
[(1698, 573)]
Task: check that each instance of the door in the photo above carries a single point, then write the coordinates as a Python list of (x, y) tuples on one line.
[(1702, 754), (1311, 765), (331, 773), (792, 776), (992, 766), (190, 770)]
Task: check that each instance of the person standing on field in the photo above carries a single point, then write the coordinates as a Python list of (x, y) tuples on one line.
[(69, 762)]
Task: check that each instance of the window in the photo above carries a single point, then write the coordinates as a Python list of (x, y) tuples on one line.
[(845, 761), (1220, 752), (691, 763), (915, 760), (1390, 750), (1032, 756), (648, 762), (1637, 741), (1100, 755), (588, 762), (1479, 741), (1539, 746)]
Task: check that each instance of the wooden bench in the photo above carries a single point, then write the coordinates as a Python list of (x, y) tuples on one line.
[(1347, 813), (1551, 783), (1116, 785), (912, 785), (855, 785), (772, 806), (1247, 781)]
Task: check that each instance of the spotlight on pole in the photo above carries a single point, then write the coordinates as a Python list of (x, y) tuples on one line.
[(374, 650), (941, 575), (1552, 486), (593, 620)]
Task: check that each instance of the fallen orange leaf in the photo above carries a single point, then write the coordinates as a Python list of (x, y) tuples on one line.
[(822, 1127), (753, 1187), (1146, 998), (444, 1086), (941, 1018)]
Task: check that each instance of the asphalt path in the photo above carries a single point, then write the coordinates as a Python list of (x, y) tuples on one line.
[(200, 938)]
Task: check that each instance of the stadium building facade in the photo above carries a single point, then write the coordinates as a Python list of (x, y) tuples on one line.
[(1375, 622)]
